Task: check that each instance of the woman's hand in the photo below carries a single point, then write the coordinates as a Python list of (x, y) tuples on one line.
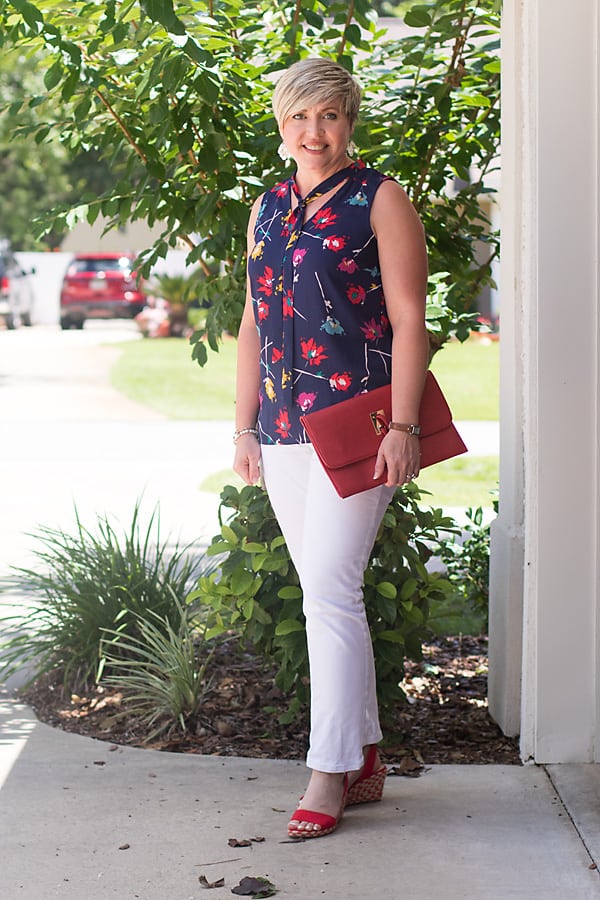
[(246, 462), (398, 453)]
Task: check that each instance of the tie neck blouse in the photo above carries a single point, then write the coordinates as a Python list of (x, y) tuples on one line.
[(318, 300)]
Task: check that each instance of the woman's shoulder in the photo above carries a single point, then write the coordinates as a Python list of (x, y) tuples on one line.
[(367, 174), (365, 184)]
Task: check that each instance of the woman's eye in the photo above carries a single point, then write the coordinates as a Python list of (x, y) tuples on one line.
[(298, 116)]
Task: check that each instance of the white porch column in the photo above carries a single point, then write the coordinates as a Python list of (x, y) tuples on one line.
[(545, 572)]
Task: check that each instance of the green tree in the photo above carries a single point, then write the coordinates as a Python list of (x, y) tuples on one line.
[(180, 91), (39, 176), (32, 175)]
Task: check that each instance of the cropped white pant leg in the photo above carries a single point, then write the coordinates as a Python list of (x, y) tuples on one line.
[(330, 542)]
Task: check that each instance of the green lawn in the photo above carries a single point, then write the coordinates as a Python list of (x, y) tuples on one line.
[(470, 378), (161, 374)]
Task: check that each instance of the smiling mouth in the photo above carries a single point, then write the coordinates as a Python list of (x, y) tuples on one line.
[(314, 147)]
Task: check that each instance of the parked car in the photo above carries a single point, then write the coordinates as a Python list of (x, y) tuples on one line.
[(100, 286), (16, 292)]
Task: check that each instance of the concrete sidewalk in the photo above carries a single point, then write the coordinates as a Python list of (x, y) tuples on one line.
[(83, 819), (86, 820)]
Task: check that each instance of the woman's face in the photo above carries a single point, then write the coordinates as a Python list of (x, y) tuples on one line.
[(317, 137)]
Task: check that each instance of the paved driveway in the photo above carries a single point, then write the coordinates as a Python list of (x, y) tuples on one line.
[(69, 438)]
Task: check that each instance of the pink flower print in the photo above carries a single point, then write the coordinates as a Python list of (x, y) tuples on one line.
[(374, 330), (305, 400), (283, 423), (280, 189), (335, 243), (323, 218), (276, 355), (263, 310), (288, 304), (266, 281), (371, 330), (355, 293), (312, 352), (340, 382), (347, 265), (298, 256)]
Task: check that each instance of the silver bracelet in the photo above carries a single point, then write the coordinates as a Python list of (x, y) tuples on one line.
[(237, 434)]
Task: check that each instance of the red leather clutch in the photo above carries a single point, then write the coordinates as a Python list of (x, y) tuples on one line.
[(347, 435)]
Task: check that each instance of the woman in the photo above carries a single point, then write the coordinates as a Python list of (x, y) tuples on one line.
[(335, 305)]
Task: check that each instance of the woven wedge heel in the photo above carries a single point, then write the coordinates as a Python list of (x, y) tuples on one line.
[(368, 787)]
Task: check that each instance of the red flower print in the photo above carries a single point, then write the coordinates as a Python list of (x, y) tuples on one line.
[(324, 217), (340, 382), (288, 304), (280, 189), (277, 355), (347, 265), (312, 352), (298, 256), (355, 293), (266, 282), (335, 243), (263, 310), (305, 400), (283, 423)]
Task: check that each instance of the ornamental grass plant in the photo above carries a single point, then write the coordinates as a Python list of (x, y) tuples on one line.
[(87, 583), (161, 672)]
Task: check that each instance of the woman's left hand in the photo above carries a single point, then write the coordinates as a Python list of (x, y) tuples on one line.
[(399, 454)]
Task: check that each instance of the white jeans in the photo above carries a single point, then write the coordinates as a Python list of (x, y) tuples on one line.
[(330, 542)]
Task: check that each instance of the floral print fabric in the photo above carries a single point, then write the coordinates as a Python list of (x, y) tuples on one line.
[(318, 301)]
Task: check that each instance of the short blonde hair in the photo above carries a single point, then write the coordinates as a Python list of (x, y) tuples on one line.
[(316, 81)]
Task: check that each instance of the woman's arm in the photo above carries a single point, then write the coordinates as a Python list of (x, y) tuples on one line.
[(247, 449), (403, 263)]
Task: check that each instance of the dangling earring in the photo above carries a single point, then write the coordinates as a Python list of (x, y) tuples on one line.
[(283, 152), (351, 148)]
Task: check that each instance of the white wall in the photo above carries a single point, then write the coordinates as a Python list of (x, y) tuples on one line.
[(545, 572)]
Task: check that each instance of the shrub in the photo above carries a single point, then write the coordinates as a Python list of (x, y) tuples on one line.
[(257, 592), (467, 565), (84, 584)]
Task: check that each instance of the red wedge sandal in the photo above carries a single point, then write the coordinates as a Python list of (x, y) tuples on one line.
[(368, 787), (326, 823)]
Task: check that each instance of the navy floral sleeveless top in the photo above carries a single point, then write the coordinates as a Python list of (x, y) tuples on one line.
[(318, 301)]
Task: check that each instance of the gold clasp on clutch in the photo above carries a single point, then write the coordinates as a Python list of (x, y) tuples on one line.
[(378, 421)]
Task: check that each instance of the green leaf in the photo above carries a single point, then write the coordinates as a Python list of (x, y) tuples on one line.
[(408, 588), (288, 626), (162, 11), (53, 75), (289, 592), (417, 18), (253, 547), (31, 14), (229, 534), (391, 637), (387, 589), (241, 581)]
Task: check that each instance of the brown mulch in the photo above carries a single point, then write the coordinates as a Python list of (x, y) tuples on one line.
[(445, 717)]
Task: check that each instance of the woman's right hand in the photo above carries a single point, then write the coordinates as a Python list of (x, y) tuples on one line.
[(246, 462)]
